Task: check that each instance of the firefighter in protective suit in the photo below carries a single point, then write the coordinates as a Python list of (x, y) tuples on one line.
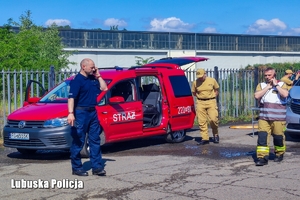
[(272, 95), (206, 89)]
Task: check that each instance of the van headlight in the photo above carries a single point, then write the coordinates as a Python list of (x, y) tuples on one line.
[(57, 122)]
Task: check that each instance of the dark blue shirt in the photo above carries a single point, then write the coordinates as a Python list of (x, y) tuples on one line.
[(84, 90)]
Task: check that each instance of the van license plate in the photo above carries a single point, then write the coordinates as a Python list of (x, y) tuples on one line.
[(19, 136)]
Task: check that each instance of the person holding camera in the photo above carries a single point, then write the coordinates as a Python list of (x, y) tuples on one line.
[(272, 96), (287, 78), (296, 77)]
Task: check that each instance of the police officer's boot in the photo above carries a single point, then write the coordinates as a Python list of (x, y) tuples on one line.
[(216, 139), (278, 158), (261, 162)]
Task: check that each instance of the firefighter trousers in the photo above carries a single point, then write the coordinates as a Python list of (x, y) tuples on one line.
[(207, 112), (265, 130)]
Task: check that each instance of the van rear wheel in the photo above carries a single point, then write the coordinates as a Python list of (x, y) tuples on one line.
[(176, 136), (26, 151), (85, 151)]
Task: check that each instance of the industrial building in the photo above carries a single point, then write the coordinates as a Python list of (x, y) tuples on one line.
[(227, 51)]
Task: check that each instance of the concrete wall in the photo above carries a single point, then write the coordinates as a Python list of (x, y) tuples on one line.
[(222, 59)]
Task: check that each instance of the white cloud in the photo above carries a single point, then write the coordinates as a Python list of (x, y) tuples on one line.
[(210, 30), (115, 22), (262, 26), (58, 22), (171, 24), (296, 30)]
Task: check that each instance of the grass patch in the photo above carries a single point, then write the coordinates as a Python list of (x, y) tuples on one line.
[(231, 120)]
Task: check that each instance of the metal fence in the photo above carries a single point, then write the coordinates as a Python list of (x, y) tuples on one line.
[(13, 85), (235, 93)]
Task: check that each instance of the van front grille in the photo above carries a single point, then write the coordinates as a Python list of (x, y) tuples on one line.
[(27, 143), (28, 124), (57, 140)]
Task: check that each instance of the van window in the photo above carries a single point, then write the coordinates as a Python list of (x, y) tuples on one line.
[(124, 89), (59, 94), (180, 85), (144, 82), (297, 83)]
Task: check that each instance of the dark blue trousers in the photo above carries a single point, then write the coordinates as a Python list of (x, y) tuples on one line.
[(86, 122)]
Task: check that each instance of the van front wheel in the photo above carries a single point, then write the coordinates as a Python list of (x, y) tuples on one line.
[(175, 136), (85, 152)]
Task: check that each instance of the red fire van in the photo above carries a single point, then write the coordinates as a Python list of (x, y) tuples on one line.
[(153, 99)]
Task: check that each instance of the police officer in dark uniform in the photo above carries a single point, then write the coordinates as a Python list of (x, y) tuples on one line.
[(84, 89)]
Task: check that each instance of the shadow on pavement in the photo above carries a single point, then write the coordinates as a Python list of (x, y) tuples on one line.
[(133, 144), (42, 155)]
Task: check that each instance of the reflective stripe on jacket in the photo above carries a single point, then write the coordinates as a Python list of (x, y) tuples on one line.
[(273, 106)]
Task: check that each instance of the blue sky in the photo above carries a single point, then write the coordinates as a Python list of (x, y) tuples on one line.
[(258, 17)]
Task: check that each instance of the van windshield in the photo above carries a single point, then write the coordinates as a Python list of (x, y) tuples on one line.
[(60, 93)]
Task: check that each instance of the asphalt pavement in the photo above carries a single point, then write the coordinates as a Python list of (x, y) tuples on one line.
[(152, 169)]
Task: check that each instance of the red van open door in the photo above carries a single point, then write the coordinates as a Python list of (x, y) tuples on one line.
[(181, 102), (33, 93)]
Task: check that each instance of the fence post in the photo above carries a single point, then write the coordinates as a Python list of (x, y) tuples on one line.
[(3, 101), (256, 81), (51, 77), (216, 76), (216, 73)]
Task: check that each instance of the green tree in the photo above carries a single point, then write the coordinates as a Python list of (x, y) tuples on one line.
[(64, 27), (114, 28), (141, 61), (24, 45)]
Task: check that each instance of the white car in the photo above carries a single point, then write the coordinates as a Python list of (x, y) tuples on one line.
[(293, 111)]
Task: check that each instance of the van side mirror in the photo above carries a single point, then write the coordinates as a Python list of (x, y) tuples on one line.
[(31, 101), (116, 99)]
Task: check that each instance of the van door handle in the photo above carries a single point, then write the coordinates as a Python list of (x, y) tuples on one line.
[(104, 112)]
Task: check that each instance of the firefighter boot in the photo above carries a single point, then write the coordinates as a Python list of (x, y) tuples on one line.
[(216, 139), (261, 162), (278, 158), (203, 142)]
